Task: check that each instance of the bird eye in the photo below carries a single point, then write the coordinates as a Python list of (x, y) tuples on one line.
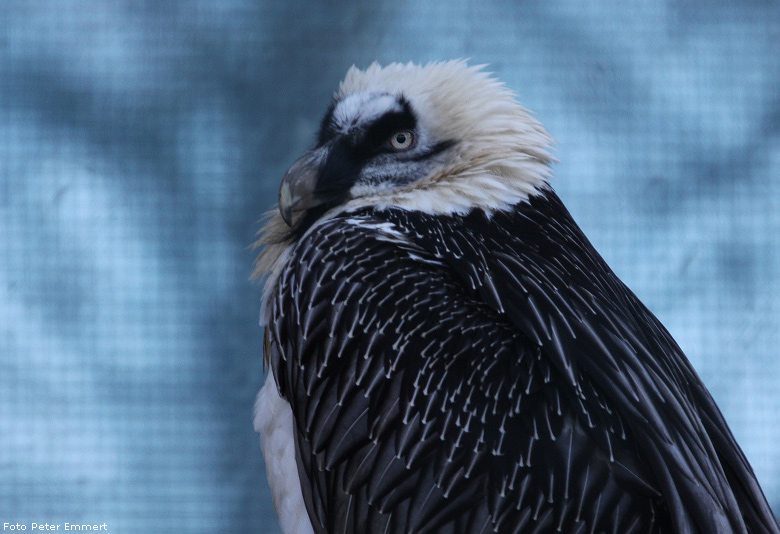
[(402, 140)]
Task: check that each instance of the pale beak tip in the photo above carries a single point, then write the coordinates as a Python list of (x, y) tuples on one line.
[(287, 216), (285, 203), (297, 190)]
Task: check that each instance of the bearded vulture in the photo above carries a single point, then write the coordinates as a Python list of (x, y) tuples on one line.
[(449, 353)]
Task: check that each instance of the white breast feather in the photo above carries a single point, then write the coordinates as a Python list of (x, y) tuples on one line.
[(274, 422)]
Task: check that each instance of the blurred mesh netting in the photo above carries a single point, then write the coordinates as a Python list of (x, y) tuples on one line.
[(140, 143)]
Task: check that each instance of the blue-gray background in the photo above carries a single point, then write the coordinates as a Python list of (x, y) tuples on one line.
[(141, 141)]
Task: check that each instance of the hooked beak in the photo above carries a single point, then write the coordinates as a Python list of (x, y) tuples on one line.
[(296, 193)]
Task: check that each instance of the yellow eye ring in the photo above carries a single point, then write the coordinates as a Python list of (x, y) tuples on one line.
[(401, 140)]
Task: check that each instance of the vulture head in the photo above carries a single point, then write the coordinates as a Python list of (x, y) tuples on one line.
[(440, 138)]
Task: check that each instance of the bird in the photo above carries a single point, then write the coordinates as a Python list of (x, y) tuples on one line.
[(446, 350)]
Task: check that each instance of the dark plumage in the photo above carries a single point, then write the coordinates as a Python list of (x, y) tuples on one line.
[(486, 371)]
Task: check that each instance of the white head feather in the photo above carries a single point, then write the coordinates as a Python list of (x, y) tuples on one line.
[(500, 157)]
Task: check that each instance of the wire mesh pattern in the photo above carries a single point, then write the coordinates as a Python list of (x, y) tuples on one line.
[(141, 142)]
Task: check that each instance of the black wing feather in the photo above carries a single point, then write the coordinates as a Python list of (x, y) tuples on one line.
[(588, 323), (491, 374), (420, 407)]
